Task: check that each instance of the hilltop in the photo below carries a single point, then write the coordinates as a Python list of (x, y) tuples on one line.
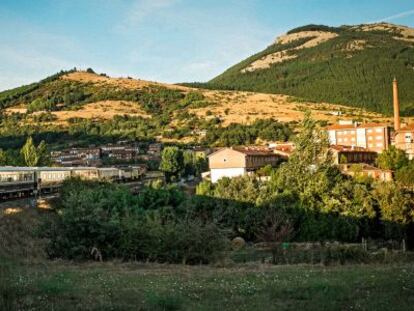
[(85, 106), (349, 65)]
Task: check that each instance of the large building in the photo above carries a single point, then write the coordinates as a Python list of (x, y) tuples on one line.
[(372, 136), (237, 161), (375, 136), (404, 135)]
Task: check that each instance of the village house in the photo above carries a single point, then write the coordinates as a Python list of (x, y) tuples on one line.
[(238, 161)]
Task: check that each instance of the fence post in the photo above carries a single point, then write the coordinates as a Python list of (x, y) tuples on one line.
[(364, 244), (404, 249)]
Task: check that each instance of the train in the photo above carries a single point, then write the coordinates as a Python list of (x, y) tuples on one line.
[(18, 182)]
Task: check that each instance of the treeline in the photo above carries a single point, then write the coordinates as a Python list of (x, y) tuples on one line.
[(22, 94), (240, 134), (14, 129), (332, 72)]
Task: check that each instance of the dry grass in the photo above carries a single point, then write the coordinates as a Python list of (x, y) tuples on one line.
[(85, 77), (103, 110), (246, 107), (317, 37)]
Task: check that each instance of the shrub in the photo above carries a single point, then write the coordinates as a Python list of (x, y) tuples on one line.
[(39, 105), (109, 219)]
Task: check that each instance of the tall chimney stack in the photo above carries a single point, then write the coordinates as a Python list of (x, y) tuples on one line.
[(396, 105)]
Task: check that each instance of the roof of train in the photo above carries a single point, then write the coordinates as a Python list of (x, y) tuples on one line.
[(28, 169)]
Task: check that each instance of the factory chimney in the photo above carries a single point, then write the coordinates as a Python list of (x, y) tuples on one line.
[(396, 105)]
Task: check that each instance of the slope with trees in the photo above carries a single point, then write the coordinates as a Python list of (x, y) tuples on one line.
[(355, 68)]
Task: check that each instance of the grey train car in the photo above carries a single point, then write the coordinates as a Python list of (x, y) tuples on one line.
[(18, 182)]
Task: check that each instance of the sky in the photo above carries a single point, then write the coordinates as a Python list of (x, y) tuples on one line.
[(161, 40)]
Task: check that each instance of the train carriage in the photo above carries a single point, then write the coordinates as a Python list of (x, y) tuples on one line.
[(52, 175), (109, 173), (17, 181), (89, 173)]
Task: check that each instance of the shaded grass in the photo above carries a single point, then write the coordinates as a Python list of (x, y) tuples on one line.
[(19, 236), (117, 286)]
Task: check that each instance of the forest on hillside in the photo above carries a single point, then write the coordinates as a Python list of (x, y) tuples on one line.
[(332, 71)]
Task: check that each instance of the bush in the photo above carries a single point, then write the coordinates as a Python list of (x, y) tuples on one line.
[(39, 105), (116, 224)]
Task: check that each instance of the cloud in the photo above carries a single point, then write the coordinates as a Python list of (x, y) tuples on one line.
[(393, 17)]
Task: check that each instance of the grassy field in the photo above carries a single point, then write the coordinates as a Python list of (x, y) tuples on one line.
[(29, 281), (120, 286)]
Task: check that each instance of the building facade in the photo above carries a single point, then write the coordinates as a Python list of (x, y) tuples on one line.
[(371, 136), (404, 140), (238, 161)]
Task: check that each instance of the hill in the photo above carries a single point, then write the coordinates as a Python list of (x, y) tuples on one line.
[(78, 107), (350, 65)]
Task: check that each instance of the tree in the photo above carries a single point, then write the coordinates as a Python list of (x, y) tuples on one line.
[(172, 162), (392, 159), (405, 176), (43, 154), (396, 208), (29, 153), (310, 159), (3, 158), (33, 156), (276, 228)]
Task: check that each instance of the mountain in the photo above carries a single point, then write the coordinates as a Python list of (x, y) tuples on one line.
[(350, 65)]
